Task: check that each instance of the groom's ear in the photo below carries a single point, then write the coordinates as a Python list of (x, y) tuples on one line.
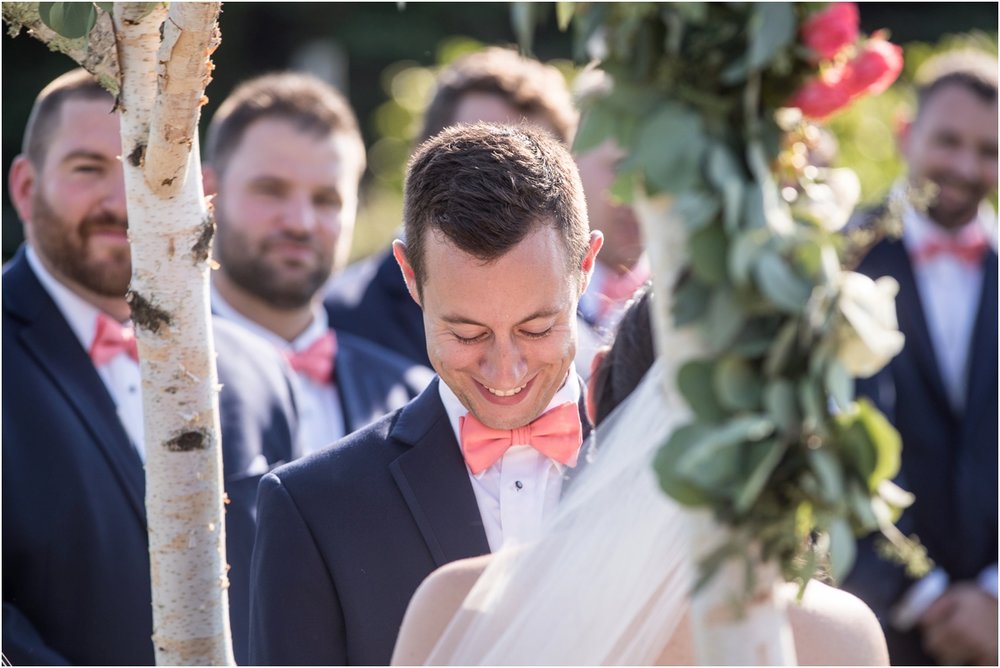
[(587, 265), (399, 252)]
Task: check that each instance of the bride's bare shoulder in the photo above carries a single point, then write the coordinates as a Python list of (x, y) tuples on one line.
[(833, 627), (433, 605)]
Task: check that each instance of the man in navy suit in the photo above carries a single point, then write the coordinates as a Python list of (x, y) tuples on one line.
[(285, 157), (76, 580), (498, 252), (941, 390), (495, 85)]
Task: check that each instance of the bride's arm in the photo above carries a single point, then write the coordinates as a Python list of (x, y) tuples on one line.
[(432, 607)]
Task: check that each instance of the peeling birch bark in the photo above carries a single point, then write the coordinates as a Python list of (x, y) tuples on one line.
[(170, 230)]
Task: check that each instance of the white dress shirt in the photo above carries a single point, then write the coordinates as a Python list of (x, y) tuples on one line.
[(120, 375), (321, 418), (523, 487), (949, 294)]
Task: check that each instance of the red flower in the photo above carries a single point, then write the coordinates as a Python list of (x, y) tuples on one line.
[(830, 30), (823, 95), (875, 68)]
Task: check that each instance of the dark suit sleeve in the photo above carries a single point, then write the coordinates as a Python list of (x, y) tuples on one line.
[(295, 613), (23, 645)]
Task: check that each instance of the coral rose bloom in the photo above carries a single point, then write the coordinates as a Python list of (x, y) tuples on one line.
[(830, 30)]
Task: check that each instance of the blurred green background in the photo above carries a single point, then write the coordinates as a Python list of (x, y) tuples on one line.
[(384, 56)]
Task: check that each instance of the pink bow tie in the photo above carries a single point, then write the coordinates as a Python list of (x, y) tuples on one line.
[(556, 434), (316, 361), (968, 249), (111, 338)]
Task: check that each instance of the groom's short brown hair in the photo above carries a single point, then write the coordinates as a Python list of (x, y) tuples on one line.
[(486, 186)]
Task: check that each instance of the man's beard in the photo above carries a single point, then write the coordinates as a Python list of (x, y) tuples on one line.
[(67, 250), (248, 269)]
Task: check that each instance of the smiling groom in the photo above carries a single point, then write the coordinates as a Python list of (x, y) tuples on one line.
[(499, 251)]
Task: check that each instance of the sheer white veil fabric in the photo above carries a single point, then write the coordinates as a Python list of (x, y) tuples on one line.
[(609, 582)]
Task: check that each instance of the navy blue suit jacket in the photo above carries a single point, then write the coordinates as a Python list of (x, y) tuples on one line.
[(949, 460), (76, 585), (375, 305), (347, 534)]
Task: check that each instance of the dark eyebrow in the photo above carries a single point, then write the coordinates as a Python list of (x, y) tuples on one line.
[(461, 320)]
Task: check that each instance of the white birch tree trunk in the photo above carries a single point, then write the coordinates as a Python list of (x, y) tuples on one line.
[(170, 230), (724, 634)]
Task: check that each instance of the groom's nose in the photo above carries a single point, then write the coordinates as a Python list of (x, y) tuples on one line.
[(504, 364)]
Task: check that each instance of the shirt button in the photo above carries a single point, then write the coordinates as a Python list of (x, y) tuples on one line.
[(518, 484)]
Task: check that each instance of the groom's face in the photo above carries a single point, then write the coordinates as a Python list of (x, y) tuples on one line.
[(502, 334)]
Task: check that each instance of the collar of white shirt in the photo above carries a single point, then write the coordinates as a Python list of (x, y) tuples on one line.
[(570, 391), (316, 329), (80, 314), (918, 228)]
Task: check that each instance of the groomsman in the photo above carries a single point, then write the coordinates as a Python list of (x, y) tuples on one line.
[(941, 390), (497, 254), (76, 582), (495, 85), (285, 157)]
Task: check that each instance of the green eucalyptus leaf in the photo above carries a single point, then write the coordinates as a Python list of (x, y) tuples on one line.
[(725, 175), (670, 147), (564, 14), (743, 252), (709, 247), (830, 474), (781, 283), (108, 7), (723, 321), (69, 19), (523, 22), (812, 404), (665, 465), (714, 462), (754, 217), (691, 298), (694, 380), (839, 383), (780, 355), (736, 384), (859, 503), (696, 208), (772, 27), (842, 549), (596, 125), (692, 12), (782, 405), (887, 442), (764, 457)]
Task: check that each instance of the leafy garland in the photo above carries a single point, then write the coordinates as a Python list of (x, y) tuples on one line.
[(778, 448)]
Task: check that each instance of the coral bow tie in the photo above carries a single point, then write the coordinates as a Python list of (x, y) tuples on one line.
[(556, 434), (969, 250), (111, 338), (316, 361)]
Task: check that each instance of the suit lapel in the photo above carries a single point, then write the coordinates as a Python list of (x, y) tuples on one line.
[(48, 338), (912, 320), (434, 481), (982, 356)]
